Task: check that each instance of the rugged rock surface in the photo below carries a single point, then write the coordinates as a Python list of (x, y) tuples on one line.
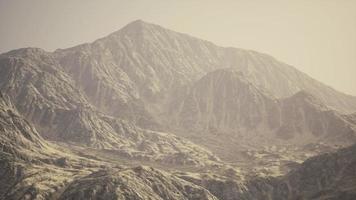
[(21, 147), (134, 183), (17, 137), (18, 140), (327, 176), (31, 168), (51, 100)]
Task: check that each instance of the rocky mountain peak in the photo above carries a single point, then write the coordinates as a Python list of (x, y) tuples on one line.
[(137, 30), (138, 25)]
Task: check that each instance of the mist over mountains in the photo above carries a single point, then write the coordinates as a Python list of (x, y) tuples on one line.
[(149, 113)]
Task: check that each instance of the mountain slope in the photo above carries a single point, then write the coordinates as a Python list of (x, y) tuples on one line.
[(228, 114), (283, 80), (18, 140), (18, 137), (61, 111), (31, 168), (25, 156), (143, 62), (225, 101), (329, 176)]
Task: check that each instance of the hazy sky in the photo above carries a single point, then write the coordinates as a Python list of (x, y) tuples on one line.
[(316, 36)]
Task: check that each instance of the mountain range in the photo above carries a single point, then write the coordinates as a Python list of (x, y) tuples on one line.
[(76, 122)]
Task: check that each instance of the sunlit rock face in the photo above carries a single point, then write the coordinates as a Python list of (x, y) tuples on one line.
[(134, 183), (18, 137), (19, 143)]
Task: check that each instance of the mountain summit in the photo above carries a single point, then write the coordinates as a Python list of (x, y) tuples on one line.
[(156, 59)]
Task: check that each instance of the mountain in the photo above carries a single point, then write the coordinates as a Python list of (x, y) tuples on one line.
[(223, 100), (61, 111), (79, 123), (141, 73), (143, 62), (225, 107)]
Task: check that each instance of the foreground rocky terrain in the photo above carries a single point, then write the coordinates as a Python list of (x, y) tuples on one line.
[(149, 113), (32, 168)]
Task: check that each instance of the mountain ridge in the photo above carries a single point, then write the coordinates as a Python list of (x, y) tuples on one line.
[(335, 100), (245, 60)]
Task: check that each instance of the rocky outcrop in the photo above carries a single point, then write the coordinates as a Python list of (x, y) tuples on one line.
[(20, 143), (18, 137), (327, 176), (136, 183)]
